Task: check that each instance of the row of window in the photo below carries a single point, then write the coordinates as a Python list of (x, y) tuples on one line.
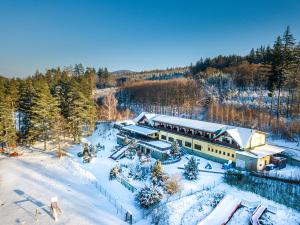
[(198, 147), (220, 152)]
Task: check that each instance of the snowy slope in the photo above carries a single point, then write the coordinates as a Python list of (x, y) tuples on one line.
[(28, 182)]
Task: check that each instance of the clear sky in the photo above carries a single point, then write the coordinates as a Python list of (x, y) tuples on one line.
[(135, 35)]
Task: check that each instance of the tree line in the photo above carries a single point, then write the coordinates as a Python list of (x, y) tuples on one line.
[(47, 106), (275, 69)]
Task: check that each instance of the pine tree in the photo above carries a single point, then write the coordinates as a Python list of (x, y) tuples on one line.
[(77, 111), (191, 171), (27, 94), (7, 122), (289, 59), (44, 113), (277, 78)]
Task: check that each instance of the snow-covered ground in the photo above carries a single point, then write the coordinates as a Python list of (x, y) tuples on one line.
[(29, 181), (292, 149), (179, 209)]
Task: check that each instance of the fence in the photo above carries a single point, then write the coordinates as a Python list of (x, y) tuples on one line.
[(121, 210), (126, 184)]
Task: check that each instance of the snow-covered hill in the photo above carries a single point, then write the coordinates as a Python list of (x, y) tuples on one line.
[(28, 182)]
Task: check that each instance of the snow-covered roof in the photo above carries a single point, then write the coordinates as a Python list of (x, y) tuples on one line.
[(240, 135), (266, 150), (140, 130), (262, 151), (149, 116), (157, 144), (189, 123)]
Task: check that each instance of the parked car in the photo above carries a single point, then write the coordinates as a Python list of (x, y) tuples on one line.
[(270, 167)]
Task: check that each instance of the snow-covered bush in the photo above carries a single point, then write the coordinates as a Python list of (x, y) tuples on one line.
[(215, 199), (233, 176), (114, 172), (148, 196), (191, 171), (173, 185)]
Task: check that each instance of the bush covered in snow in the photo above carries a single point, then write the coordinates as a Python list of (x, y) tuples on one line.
[(114, 172), (148, 196), (139, 171), (191, 171), (232, 176)]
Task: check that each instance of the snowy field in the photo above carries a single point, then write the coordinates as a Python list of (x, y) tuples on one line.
[(29, 181)]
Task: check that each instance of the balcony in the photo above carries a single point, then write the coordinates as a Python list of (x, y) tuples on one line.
[(195, 136)]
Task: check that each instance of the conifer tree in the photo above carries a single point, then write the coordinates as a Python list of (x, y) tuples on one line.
[(175, 149), (27, 93), (44, 113), (191, 169), (7, 122), (157, 174)]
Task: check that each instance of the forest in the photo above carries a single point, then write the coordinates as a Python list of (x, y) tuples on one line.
[(260, 90)]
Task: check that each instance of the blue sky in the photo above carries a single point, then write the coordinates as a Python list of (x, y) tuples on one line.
[(135, 35)]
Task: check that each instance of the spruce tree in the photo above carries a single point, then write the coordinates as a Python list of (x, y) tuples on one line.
[(44, 113), (175, 149), (191, 171), (277, 78), (27, 93), (7, 119)]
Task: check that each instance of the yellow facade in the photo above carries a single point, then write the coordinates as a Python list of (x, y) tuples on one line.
[(262, 162), (208, 148), (257, 139)]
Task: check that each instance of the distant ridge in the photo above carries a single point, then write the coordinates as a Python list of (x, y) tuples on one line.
[(121, 72)]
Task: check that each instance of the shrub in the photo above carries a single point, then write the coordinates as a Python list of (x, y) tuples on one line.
[(148, 196), (173, 185), (114, 172)]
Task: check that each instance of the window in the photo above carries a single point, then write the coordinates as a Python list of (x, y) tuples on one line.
[(188, 144), (208, 148), (224, 153), (212, 150), (220, 152), (232, 155), (171, 139), (179, 142), (228, 154), (198, 147), (163, 137)]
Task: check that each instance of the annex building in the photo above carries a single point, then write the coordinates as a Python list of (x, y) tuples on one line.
[(245, 147)]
